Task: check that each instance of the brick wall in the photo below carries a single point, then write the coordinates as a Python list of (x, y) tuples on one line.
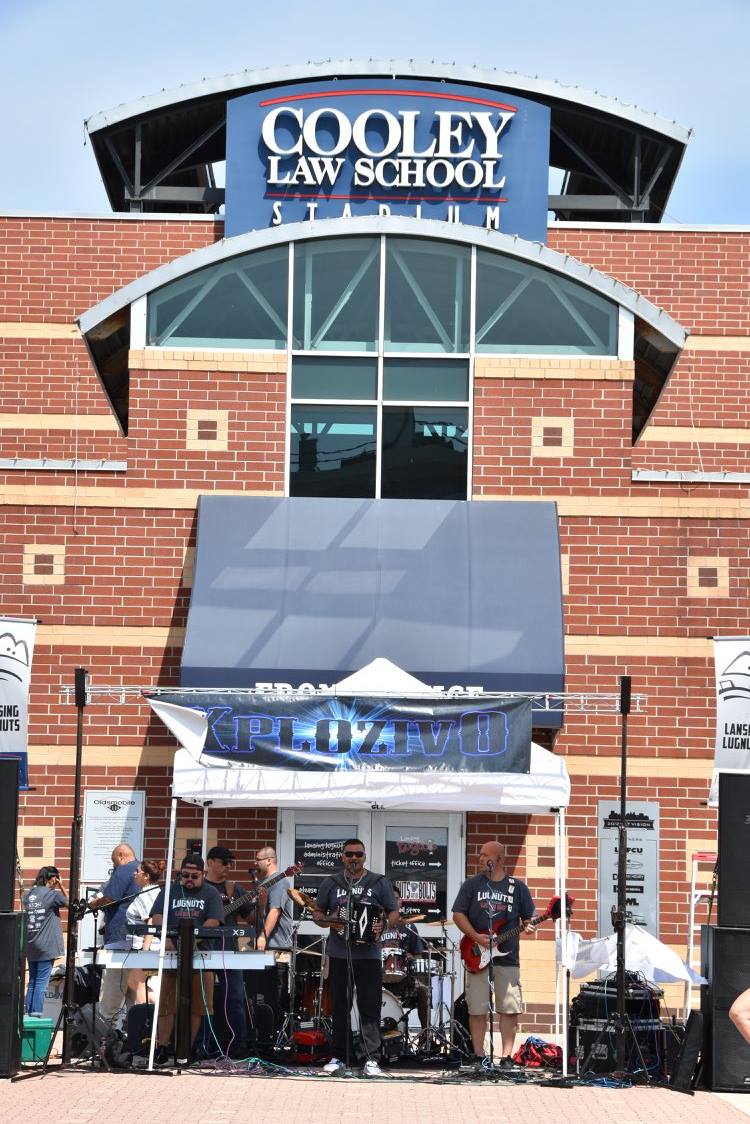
[(629, 606)]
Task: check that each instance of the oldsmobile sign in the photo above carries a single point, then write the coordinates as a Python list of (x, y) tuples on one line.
[(426, 149), (331, 733)]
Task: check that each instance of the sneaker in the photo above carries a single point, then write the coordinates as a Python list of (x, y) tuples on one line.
[(372, 1069), (506, 1062), (163, 1055), (334, 1066)]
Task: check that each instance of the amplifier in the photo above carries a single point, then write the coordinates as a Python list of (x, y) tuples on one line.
[(598, 999), (592, 1049)]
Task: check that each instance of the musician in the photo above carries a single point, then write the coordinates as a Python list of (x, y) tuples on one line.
[(114, 898), (231, 1004), (275, 927), (407, 940), (493, 896), (349, 961), (190, 899)]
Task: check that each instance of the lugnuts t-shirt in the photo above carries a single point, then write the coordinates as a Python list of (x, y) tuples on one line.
[(485, 903)]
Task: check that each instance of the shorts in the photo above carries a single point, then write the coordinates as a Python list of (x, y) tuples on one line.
[(203, 984), (508, 995)]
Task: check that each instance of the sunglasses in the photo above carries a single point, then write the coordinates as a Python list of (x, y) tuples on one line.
[(188, 876), (354, 854)]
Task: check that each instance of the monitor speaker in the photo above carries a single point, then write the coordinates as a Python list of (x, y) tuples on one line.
[(734, 845), (8, 830), (12, 975), (725, 962)]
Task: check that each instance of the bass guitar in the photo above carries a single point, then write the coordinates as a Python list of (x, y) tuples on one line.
[(476, 957), (251, 897)]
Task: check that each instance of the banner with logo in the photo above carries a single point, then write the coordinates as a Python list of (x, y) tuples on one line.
[(324, 733), (732, 665), (16, 654)]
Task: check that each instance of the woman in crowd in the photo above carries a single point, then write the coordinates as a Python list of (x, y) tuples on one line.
[(147, 876), (44, 939)]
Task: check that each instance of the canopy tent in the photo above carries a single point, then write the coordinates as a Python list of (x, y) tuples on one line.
[(210, 781)]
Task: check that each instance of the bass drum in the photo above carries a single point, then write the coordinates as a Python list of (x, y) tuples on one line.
[(307, 994), (392, 1026)]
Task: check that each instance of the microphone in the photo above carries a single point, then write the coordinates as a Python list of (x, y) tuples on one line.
[(490, 866)]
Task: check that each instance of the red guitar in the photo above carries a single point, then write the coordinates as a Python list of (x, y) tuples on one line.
[(475, 957)]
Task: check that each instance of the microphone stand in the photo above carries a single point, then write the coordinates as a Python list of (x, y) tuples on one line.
[(349, 973)]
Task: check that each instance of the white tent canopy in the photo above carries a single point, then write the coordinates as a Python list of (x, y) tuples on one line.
[(215, 782)]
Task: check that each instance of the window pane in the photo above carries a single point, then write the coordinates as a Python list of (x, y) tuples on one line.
[(521, 307), (425, 452), (324, 377), (336, 294), (332, 451), (426, 296), (426, 380), (237, 303)]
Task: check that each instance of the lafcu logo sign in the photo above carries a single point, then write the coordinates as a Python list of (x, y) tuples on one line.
[(426, 149)]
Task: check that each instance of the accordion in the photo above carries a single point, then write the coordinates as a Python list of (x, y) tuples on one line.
[(359, 918)]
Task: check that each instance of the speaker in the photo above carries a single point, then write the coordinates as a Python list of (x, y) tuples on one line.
[(8, 829), (683, 1062), (12, 975), (725, 962), (734, 845)]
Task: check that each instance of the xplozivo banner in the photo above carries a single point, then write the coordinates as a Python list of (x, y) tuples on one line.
[(486, 735), (732, 663), (16, 653)]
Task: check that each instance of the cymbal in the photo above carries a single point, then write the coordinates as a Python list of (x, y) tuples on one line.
[(442, 921), (307, 952)]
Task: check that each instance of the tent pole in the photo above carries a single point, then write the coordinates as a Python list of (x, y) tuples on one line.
[(165, 916), (561, 831), (204, 842)]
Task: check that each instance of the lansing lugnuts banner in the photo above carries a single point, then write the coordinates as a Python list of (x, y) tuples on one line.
[(732, 662), (16, 654)]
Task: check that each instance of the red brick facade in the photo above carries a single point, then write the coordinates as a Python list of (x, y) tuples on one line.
[(628, 607)]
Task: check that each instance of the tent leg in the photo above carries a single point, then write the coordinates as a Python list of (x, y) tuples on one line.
[(204, 842), (565, 991), (162, 947)]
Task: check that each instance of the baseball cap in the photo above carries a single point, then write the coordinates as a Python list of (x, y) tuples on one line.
[(221, 853), (192, 860)]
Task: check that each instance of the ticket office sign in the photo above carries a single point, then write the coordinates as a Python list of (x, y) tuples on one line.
[(338, 149), (642, 869)]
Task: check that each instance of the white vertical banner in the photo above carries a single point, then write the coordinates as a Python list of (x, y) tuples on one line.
[(16, 654), (732, 664)]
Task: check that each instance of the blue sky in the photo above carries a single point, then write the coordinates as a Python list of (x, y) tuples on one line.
[(64, 61)]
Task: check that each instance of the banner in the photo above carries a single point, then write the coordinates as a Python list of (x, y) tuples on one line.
[(16, 654), (324, 733), (732, 664)]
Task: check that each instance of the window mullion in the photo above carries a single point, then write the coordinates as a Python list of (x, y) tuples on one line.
[(381, 348)]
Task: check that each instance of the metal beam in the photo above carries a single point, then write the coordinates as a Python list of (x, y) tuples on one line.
[(183, 156), (592, 164), (213, 196), (591, 203)]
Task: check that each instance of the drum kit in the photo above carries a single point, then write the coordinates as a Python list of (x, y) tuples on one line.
[(306, 1029)]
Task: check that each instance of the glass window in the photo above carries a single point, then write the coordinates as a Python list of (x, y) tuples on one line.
[(332, 451), (237, 303), (426, 296), (520, 307), (426, 380), (425, 452), (336, 292), (318, 376)]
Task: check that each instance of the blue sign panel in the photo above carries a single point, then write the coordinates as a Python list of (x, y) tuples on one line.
[(431, 150)]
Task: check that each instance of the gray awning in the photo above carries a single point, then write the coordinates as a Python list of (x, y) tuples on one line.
[(309, 590)]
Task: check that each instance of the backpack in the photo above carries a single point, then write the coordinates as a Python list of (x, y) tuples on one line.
[(535, 1053)]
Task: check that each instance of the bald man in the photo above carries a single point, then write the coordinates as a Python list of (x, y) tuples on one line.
[(493, 896), (121, 884)]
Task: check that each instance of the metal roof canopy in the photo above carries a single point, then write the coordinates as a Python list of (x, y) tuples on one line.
[(619, 162)]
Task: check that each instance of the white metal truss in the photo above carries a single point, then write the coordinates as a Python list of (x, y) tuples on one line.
[(564, 702)]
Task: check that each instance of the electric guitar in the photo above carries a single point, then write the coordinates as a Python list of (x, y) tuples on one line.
[(252, 895), (476, 957)]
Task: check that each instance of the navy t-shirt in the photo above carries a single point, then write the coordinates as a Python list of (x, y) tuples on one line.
[(191, 904), (485, 903), (121, 884), (373, 889)]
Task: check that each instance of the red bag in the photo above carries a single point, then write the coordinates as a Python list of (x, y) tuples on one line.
[(310, 1047), (535, 1053)]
